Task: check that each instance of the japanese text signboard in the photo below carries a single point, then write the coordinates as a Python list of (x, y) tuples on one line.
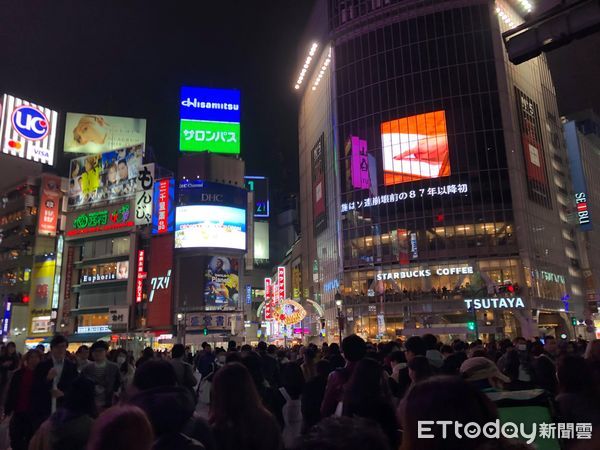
[(209, 120), (163, 211), (143, 197)]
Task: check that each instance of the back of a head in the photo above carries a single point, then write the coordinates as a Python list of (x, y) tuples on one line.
[(443, 398), (344, 433), (397, 357), (365, 382), (234, 395), (292, 379), (310, 354), (154, 373), (121, 428), (415, 345), (271, 349), (354, 348), (262, 346), (421, 367), (178, 351), (148, 352), (79, 398), (430, 341)]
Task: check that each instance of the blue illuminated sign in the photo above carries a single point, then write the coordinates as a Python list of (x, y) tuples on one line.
[(248, 294), (213, 105), (582, 209)]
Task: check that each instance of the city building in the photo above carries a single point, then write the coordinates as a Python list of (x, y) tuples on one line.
[(30, 258), (434, 185), (582, 136)]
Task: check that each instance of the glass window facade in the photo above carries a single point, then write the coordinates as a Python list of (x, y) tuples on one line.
[(399, 74)]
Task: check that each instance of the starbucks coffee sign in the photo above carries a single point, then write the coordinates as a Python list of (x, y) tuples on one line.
[(494, 303)]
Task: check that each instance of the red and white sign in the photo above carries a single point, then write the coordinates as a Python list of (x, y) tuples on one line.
[(268, 300), (281, 282), (163, 205), (160, 287), (141, 276), (49, 205)]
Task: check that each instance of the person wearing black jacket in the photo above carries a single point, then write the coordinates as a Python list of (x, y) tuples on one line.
[(19, 402), (52, 379)]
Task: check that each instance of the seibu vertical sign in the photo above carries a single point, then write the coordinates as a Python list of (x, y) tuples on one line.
[(160, 288), (141, 276)]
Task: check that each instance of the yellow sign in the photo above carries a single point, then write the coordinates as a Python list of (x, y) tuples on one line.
[(40, 297), (289, 312)]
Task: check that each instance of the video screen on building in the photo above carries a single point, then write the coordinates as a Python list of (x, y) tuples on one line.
[(93, 134), (108, 176), (415, 148), (210, 226), (221, 283)]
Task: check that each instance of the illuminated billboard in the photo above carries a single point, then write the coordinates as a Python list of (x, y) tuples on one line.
[(319, 194), (27, 130), (108, 176), (582, 207), (415, 148), (221, 287), (209, 120), (533, 150), (94, 134), (163, 211), (213, 226), (260, 187)]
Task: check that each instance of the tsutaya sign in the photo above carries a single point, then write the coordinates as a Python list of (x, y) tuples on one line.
[(423, 273), (495, 303)]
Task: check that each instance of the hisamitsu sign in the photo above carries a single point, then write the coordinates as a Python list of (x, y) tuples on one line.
[(495, 303)]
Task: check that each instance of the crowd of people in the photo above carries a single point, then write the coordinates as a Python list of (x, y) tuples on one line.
[(310, 397)]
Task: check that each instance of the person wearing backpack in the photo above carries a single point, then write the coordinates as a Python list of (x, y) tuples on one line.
[(292, 380), (355, 349)]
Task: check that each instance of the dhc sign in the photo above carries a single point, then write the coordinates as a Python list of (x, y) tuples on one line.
[(494, 303)]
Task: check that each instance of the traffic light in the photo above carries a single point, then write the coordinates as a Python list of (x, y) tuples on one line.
[(205, 331), (574, 321), (471, 326)]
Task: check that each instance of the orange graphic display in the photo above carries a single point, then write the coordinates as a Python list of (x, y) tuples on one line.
[(415, 148)]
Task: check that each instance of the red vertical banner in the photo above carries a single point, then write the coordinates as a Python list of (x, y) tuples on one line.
[(141, 275), (66, 306), (268, 300), (160, 286), (49, 205), (281, 282)]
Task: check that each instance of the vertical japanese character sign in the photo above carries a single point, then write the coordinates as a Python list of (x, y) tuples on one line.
[(143, 196), (163, 211), (359, 162), (209, 120)]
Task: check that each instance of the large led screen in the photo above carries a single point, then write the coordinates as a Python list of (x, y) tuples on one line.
[(221, 287), (210, 226), (209, 120), (108, 176), (94, 134), (415, 148)]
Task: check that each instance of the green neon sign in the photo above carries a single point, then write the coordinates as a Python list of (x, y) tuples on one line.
[(214, 137)]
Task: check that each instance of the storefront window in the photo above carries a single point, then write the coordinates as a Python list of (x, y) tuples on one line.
[(100, 248)]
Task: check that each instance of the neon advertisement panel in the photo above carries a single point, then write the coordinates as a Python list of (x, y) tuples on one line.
[(209, 120), (210, 226), (27, 130), (415, 148)]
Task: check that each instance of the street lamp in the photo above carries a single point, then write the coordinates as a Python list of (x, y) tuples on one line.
[(180, 329), (340, 317)]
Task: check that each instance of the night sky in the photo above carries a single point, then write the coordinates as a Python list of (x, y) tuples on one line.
[(129, 58)]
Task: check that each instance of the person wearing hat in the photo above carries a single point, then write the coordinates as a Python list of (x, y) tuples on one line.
[(105, 374), (483, 374)]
